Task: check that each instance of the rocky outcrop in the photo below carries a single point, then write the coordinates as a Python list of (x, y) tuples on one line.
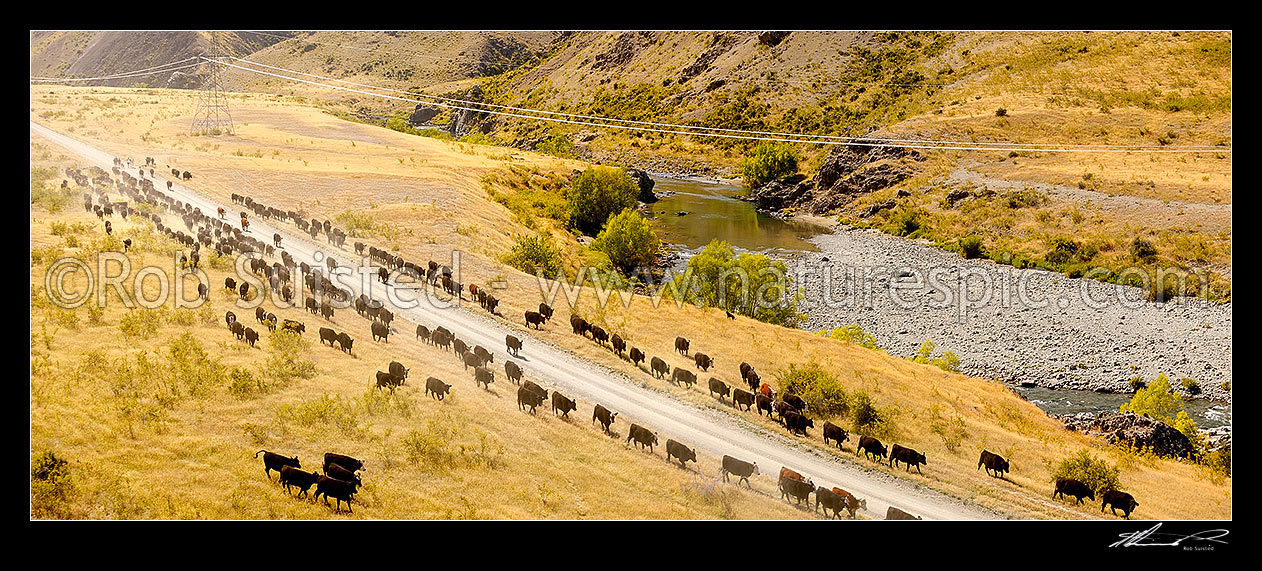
[(423, 115), (772, 38), (1141, 431), (645, 183), (847, 172)]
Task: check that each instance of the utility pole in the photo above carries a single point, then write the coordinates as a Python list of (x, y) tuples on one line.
[(211, 117)]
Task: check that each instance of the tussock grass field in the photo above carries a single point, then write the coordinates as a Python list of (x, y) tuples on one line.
[(529, 467)]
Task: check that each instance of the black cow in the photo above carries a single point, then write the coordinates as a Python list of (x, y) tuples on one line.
[(388, 381), (835, 433), (618, 344), (483, 376), (336, 470), (681, 345), (274, 461), (326, 311), (720, 387), (870, 445), (830, 500), (752, 379), (1116, 499), (345, 341), (643, 437), (471, 359), (251, 336), (605, 417), (659, 367), (993, 462), (741, 468), (533, 318), (600, 336), (742, 397), (637, 356), (763, 402), (562, 403), (796, 401), (422, 333), (907, 456), (703, 361), (681, 452), (745, 369), (580, 326), (237, 329), (483, 354), (528, 398), (895, 513), (512, 371), (683, 376), (348, 462), (438, 388), (327, 335), (290, 476), (1074, 488), (792, 487), (513, 344), (531, 386), (341, 490), (380, 332), (796, 423)]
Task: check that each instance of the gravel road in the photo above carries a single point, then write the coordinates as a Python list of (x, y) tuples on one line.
[(709, 431)]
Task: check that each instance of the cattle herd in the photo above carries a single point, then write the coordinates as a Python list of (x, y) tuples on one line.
[(341, 482)]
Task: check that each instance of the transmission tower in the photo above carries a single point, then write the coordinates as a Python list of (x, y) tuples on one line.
[(211, 117)]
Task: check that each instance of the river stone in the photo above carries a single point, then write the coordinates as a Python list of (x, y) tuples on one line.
[(645, 183)]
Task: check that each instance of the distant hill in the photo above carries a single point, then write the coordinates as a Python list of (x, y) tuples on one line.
[(100, 53)]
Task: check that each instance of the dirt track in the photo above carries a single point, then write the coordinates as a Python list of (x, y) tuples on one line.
[(712, 432)]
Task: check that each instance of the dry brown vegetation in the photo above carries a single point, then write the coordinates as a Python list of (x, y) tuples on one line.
[(329, 167)]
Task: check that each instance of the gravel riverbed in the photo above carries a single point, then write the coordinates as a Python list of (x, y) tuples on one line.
[(1013, 325)]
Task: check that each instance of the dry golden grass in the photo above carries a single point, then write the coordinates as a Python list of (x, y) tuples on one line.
[(993, 416), (194, 458)]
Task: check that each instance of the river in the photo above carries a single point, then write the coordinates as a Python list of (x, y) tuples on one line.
[(714, 212)]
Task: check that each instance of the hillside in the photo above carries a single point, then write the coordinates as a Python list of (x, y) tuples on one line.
[(86, 53), (394, 180)]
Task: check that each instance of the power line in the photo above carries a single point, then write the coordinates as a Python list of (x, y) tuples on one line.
[(780, 137), (124, 74)]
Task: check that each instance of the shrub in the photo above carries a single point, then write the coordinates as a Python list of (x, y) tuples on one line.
[(950, 430), (51, 486), (947, 362), (768, 161), (971, 246), (866, 417), (1191, 386), (1096, 473), (142, 323), (752, 285), (628, 241), (599, 193), (285, 360), (534, 254), (557, 146), (1137, 383), (820, 389), (904, 222), (1142, 249), (1001, 112), (852, 334), (1156, 400), (242, 383)]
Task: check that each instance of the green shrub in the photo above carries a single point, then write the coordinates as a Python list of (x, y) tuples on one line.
[(242, 383), (1156, 400), (752, 285), (51, 486), (597, 194), (557, 146), (947, 362), (768, 161), (866, 417), (534, 255), (1142, 249), (971, 246), (852, 334), (821, 390), (1137, 383), (628, 240), (1001, 112), (905, 222), (1096, 473), (285, 357), (142, 323), (1191, 386)]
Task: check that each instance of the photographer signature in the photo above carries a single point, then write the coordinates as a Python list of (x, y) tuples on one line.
[(1149, 537)]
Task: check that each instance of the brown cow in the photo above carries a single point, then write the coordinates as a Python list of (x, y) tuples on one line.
[(680, 452), (740, 468), (605, 417), (853, 504)]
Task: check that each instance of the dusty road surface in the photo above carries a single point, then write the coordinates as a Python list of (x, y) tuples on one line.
[(711, 432)]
